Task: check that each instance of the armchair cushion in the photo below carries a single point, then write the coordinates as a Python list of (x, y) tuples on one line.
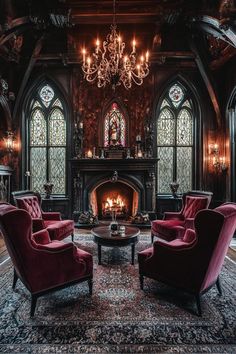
[(193, 205), (41, 237), (30, 204)]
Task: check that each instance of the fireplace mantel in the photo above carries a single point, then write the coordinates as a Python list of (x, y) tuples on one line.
[(139, 173), (111, 164)]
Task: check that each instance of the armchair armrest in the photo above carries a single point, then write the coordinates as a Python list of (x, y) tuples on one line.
[(41, 237), (38, 224), (172, 246), (189, 223), (51, 215), (169, 215), (57, 247)]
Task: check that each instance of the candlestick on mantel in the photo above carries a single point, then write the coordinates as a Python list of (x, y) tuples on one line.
[(140, 154), (89, 154)]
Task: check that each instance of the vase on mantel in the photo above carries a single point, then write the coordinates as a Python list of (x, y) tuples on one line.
[(174, 187), (48, 189)]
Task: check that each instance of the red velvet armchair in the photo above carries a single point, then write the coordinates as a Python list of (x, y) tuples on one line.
[(41, 264), (193, 263), (174, 224), (31, 202)]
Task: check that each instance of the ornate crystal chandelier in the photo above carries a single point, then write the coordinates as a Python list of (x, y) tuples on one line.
[(110, 64)]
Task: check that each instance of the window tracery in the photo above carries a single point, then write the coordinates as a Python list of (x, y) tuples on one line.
[(175, 139), (47, 141)]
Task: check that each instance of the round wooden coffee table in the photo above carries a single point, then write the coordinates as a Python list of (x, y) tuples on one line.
[(103, 237)]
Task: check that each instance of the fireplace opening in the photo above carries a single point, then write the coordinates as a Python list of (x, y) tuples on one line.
[(116, 197)]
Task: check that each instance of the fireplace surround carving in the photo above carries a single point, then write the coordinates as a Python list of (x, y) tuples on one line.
[(91, 174)]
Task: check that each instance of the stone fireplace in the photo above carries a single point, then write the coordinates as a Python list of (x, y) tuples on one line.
[(100, 185)]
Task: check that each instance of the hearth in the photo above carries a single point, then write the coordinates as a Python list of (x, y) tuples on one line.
[(99, 185), (109, 198)]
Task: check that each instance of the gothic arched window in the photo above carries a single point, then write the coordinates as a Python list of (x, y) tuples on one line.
[(47, 141), (114, 126), (175, 140)]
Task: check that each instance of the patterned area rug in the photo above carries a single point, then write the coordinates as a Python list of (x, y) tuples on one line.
[(119, 317)]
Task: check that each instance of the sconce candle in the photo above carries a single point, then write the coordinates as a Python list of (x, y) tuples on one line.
[(218, 162), (9, 141)]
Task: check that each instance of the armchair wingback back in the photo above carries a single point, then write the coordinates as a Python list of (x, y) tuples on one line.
[(214, 229), (41, 264), (31, 202), (174, 224), (194, 262)]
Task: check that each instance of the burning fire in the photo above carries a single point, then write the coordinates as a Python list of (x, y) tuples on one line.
[(111, 203), (114, 203)]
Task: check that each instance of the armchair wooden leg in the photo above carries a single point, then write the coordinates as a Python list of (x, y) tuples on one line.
[(34, 299), (141, 278), (90, 284), (15, 277), (198, 302), (72, 237), (219, 286)]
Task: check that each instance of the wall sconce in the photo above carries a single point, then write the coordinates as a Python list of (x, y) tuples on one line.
[(217, 161), (9, 141)]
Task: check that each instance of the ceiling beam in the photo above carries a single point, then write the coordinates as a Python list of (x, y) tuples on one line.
[(214, 26), (105, 18), (206, 76), (34, 57)]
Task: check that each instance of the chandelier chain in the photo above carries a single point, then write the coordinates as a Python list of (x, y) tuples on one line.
[(114, 12)]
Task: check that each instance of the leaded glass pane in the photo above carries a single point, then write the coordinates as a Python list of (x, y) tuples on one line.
[(57, 170), (165, 168), (46, 94), (114, 127), (184, 168), (176, 95), (57, 128), (38, 129), (187, 104), (166, 128), (36, 104), (184, 127), (106, 131), (38, 168), (164, 104), (57, 103)]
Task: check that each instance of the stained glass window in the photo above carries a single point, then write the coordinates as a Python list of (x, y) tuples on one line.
[(114, 127), (47, 141), (175, 125)]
